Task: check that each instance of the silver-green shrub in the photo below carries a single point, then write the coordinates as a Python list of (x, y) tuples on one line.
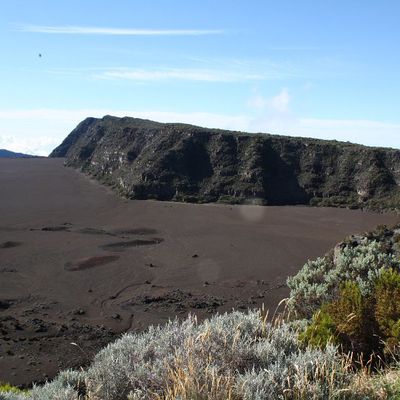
[(260, 360), (319, 281), (299, 375), (137, 361), (234, 344), (286, 371), (54, 390), (142, 361), (64, 387), (12, 396)]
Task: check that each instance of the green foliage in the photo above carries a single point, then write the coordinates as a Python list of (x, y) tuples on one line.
[(352, 314), (361, 323), (387, 309), (321, 331), (347, 321), (6, 387), (9, 392)]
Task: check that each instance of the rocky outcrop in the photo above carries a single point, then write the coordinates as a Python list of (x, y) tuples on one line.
[(148, 160)]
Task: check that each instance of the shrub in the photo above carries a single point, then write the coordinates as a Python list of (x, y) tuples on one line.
[(348, 321), (352, 314), (384, 385), (319, 281), (232, 356), (387, 295), (363, 324), (5, 394), (387, 309), (309, 288), (321, 331), (9, 392), (308, 374), (55, 390)]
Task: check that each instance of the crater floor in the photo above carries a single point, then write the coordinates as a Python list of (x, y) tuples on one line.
[(79, 265)]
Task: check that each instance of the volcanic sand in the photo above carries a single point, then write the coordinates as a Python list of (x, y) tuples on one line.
[(79, 265)]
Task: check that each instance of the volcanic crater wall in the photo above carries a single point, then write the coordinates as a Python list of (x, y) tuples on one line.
[(149, 160)]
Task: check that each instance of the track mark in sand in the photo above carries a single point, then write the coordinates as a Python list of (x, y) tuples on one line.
[(121, 246), (94, 231), (105, 302), (117, 294), (121, 233), (136, 231), (65, 227), (9, 244), (90, 262), (61, 228), (7, 270)]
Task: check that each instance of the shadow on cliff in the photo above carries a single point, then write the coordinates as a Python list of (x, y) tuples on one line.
[(280, 178)]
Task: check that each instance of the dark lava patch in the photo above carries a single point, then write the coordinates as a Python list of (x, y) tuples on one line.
[(136, 231), (6, 269), (94, 231), (90, 262), (61, 228), (121, 246), (9, 244)]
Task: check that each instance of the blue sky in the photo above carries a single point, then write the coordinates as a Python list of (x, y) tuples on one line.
[(326, 69)]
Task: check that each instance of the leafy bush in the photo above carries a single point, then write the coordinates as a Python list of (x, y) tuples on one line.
[(321, 331), (352, 314), (363, 324), (319, 281), (387, 297), (387, 309)]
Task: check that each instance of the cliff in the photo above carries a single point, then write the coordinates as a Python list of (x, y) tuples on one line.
[(149, 160)]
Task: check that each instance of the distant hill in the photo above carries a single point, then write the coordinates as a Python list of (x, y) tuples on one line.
[(149, 160), (10, 154)]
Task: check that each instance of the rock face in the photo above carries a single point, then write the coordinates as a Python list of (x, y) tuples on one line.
[(149, 160)]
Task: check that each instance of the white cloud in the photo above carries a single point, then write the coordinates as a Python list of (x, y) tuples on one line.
[(93, 30), (38, 131), (183, 74), (278, 103), (36, 145)]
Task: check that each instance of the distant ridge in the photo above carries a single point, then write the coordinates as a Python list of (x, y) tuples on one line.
[(149, 160), (10, 154)]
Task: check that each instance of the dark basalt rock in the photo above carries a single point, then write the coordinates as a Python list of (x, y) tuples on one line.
[(149, 160)]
